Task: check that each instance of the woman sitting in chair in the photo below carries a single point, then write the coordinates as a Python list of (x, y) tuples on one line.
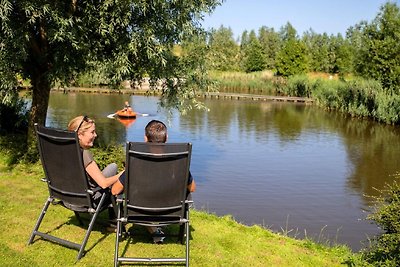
[(86, 129)]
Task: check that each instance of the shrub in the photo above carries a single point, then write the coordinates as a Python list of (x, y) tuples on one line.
[(105, 154), (388, 108), (385, 248), (298, 85)]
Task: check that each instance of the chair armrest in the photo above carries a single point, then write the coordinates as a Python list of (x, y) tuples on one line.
[(94, 190)]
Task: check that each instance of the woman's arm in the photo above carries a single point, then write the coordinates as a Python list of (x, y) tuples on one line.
[(95, 173)]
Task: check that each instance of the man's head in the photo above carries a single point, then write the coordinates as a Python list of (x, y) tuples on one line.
[(155, 132)]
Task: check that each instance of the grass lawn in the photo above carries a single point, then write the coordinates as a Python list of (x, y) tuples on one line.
[(215, 241)]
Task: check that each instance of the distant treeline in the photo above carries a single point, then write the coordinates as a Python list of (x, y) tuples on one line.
[(369, 50)]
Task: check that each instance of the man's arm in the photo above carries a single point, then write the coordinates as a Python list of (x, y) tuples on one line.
[(192, 186)]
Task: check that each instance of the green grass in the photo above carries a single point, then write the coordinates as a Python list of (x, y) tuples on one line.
[(215, 241)]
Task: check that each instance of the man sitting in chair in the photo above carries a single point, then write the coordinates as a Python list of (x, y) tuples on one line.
[(155, 132)]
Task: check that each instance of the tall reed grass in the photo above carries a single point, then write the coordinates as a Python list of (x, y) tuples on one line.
[(357, 97), (249, 83)]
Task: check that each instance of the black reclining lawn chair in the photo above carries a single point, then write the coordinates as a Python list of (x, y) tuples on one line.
[(155, 192), (67, 182)]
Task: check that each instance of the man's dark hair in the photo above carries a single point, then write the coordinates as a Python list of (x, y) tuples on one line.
[(156, 132)]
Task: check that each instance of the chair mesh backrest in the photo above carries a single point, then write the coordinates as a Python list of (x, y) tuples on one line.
[(62, 163), (156, 177)]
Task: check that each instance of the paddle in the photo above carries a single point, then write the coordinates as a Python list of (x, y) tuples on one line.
[(111, 116)]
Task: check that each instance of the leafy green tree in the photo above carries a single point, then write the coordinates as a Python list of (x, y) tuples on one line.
[(292, 58), (344, 57), (380, 51), (254, 57), (271, 43), (318, 50), (354, 35), (193, 58), (224, 51), (244, 42), (48, 41), (288, 32)]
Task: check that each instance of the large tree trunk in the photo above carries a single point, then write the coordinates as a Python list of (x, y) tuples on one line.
[(38, 68), (40, 101)]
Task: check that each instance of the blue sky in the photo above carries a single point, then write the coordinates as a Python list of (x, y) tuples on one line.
[(330, 16)]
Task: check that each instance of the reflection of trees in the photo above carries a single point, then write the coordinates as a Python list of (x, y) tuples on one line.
[(254, 119), (222, 114), (289, 121), (372, 149), (374, 152)]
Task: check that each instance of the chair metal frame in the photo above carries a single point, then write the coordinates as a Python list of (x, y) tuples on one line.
[(61, 192), (137, 211)]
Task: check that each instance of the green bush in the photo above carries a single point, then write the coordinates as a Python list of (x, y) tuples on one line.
[(385, 248), (329, 94), (388, 108), (106, 154), (298, 85)]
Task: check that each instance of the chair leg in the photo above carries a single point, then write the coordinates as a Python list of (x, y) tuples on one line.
[(119, 233), (181, 234), (39, 221), (187, 226), (89, 230)]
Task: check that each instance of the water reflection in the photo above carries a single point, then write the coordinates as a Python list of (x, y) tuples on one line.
[(285, 166)]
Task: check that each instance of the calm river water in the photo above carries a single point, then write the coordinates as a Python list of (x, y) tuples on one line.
[(289, 167)]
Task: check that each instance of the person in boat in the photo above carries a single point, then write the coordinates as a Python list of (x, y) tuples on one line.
[(86, 130), (127, 107), (155, 132)]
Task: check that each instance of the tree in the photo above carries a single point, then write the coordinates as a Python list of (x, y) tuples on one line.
[(354, 37), (343, 63), (292, 58), (48, 41), (380, 53), (270, 43), (288, 32), (224, 51), (253, 54), (318, 50)]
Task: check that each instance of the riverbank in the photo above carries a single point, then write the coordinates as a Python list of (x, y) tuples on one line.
[(215, 241)]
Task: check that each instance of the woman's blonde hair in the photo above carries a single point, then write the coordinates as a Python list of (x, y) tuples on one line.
[(80, 123)]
